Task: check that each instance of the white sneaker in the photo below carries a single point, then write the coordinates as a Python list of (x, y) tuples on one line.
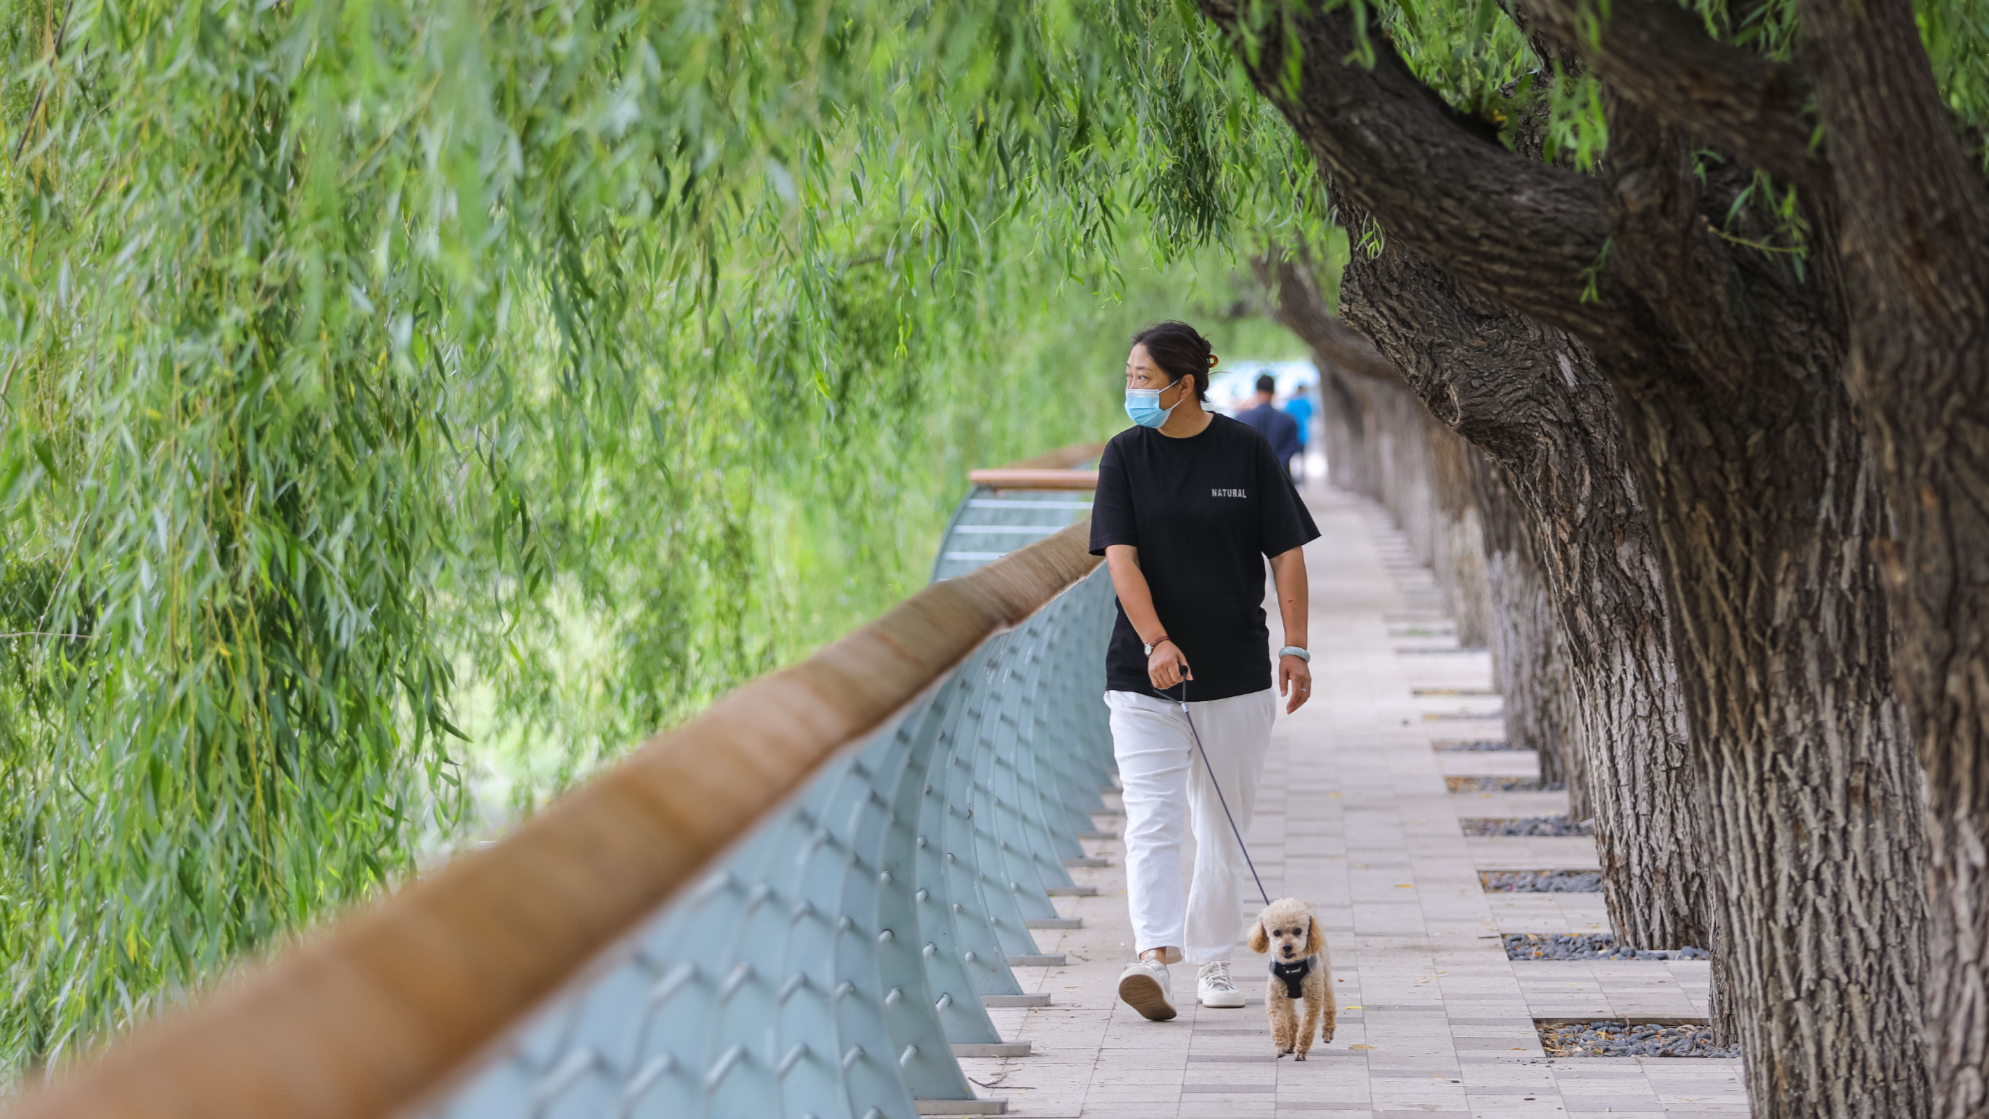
[(1144, 986), (1214, 987)]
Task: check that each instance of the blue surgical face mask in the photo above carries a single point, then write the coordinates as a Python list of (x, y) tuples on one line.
[(1143, 406)]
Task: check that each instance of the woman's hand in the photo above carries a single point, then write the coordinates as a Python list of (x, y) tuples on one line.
[(1166, 667), (1294, 680)]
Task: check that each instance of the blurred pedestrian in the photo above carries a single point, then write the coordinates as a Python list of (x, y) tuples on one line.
[(1279, 429), (1299, 408)]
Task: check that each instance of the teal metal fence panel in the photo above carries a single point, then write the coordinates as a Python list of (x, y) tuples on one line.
[(828, 966), (989, 525)]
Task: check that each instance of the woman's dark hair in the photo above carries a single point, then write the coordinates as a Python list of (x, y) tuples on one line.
[(1180, 351)]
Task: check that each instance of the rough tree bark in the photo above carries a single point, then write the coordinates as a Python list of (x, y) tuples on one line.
[(1534, 402), (1910, 223), (1460, 536), (1743, 442), (1529, 655), (1341, 423), (1915, 247), (1402, 468)]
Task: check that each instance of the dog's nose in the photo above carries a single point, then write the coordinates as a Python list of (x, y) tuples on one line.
[(1289, 949)]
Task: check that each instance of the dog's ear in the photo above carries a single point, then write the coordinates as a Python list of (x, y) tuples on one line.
[(1315, 937), (1260, 941)]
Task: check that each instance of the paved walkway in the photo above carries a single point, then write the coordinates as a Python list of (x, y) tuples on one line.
[(1355, 817)]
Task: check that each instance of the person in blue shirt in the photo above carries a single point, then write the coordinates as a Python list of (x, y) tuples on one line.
[(1299, 408), (1277, 428)]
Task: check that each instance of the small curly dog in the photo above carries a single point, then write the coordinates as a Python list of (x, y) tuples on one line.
[(1300, 969)]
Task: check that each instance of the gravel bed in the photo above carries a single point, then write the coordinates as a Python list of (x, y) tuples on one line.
[(1501, 785), (1526, 825), (1586, 946), (1623, 1039), (1470, 745), (1541, 881)]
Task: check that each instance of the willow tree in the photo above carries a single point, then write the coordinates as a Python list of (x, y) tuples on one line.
[(1898, 97), (1685, 266), (1568, 532), (372, 370)]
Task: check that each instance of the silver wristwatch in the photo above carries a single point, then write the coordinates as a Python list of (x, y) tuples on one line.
[(1295, 651)]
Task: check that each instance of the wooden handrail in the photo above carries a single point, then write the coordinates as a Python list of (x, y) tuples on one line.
[(1025, 478), (375, 1014)]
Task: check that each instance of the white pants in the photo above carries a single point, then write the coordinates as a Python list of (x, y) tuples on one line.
[(1167, 794)]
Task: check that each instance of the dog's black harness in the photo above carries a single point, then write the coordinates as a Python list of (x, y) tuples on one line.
[(1294, 975)]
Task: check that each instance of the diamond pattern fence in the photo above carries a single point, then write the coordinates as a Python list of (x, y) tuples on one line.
[(836, 961)]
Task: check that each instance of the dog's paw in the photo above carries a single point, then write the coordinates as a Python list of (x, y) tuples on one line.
[(1301, 1056), (1283, 1053)]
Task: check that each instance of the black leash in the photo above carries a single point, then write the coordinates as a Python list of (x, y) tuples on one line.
[(1234, 830)]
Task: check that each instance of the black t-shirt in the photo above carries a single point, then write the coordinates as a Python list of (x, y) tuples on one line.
[(1204, 512)]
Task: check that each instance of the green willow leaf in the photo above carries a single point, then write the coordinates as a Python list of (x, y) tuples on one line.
[(410, 404)]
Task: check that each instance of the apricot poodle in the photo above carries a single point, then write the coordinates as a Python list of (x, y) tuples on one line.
[(1300, 970)]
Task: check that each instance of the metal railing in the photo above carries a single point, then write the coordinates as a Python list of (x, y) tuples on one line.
[(873, 834), (836, 963), (1012, 506)]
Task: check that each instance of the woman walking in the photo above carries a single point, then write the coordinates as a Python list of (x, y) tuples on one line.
[(1189, 506)]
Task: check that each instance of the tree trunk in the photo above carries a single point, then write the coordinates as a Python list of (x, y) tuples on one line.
[(1814, 795), (1915, 250), (1342, 421), (1768, 512), (1421, 480), (1742, 440), (1395, 430), (1529, 655), (1743, 444), (1535, 402), (1459, 546), (1905, 218)]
